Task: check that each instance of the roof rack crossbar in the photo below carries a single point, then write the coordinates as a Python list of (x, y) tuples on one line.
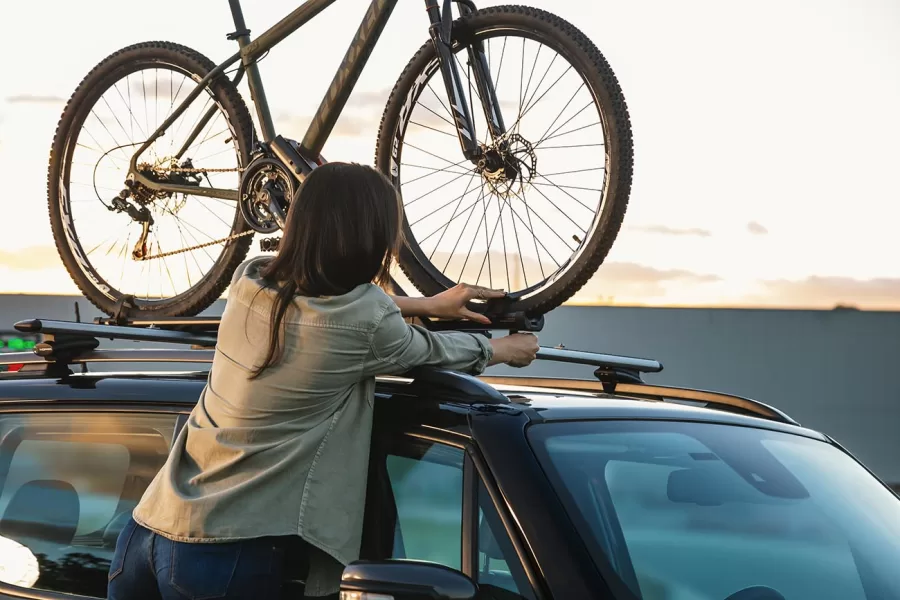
[(121, 332), (103, 355), (596, 359)]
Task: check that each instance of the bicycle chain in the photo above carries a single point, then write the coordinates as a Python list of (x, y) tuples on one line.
[(204, 244)]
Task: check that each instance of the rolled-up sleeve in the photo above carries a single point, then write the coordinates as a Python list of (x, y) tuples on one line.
[(397, 346)]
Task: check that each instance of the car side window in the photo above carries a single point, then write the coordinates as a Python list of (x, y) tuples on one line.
[(68, 484), (500, 573), (427, 484)]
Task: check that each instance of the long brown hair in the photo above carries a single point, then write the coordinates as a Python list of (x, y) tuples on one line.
[(343, 229)]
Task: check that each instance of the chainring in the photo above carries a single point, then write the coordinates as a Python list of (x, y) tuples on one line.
[(265, 194)]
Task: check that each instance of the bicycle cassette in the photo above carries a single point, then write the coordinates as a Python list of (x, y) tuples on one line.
[(267, 188)]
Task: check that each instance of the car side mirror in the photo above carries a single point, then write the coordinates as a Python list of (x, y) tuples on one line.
[(404, 580)]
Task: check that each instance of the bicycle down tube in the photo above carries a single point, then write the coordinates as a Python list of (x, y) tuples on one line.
[(341, 87)]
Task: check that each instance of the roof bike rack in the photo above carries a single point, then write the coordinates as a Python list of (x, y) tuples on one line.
[(66, 343)]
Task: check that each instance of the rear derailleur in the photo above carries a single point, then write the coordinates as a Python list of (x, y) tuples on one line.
[(139, 215)]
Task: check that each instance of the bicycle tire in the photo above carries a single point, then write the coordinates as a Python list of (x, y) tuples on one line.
[(201, 295), (593, 67)]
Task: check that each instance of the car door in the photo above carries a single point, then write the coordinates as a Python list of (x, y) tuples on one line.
[(70, 476), (428, 501)]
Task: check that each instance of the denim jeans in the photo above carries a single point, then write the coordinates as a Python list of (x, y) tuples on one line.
[(148, 566)]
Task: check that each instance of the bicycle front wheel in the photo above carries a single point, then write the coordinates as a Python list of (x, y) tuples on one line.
[(173, 254), (540, 229)]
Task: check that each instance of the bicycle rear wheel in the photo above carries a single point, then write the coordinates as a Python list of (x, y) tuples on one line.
[(542, 233), (183, 259)]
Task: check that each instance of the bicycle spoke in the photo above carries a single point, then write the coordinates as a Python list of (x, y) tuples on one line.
[(557, 207), (434, 170), (533, 237), (572, 146), (500, 68), (430, 235), (124, 258), (575, 171), (552, 86), (538, 87), (487, 253), (430, 154), (128, 89), (184, 244), (431, 128), (475, 237), (115, 141), (547, 225), (468, 184), (580, 87), (569, 187), (436, 189), (132, 120), (440, 208), (95, 248), (144, 90), (515, 214), (441, 102), (554, 136), (168, 272), (461, 233), (522, 102), (447, 121), (548, 133)]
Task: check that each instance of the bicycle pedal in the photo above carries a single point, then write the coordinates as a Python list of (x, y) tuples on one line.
[(269, 244)]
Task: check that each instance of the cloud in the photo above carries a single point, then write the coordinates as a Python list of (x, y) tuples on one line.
[(756, 228), (879, 293), (666, 230), (346, 126), (34, 99), (30, 259), (369, 99)]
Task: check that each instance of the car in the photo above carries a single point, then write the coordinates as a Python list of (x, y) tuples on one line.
[(492, 487)]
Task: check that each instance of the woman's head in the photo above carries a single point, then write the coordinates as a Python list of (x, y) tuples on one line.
[(343, 229)]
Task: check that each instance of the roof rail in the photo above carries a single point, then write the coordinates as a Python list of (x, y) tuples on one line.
[(717, 400)]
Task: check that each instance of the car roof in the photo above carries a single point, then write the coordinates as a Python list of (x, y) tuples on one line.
[(539, 404)]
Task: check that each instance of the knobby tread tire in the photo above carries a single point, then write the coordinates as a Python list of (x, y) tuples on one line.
[(617, 128), (207, 290)]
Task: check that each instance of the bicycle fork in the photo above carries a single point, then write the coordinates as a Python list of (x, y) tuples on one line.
[(441, 36)]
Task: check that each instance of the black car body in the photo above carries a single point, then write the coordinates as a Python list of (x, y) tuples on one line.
[(530, 488)]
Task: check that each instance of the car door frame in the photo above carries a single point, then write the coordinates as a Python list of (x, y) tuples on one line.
[(380, 515)]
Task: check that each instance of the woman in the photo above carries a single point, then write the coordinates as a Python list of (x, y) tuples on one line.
[(266, 481)]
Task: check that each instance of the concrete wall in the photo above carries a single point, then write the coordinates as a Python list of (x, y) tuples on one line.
[(835, 371)]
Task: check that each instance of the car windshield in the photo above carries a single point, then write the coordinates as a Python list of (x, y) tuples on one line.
[(699, 511)]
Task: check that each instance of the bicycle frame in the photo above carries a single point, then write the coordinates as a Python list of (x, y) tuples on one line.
[(341, 87)]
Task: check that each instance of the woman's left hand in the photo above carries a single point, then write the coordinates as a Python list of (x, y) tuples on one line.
[(452, 303)]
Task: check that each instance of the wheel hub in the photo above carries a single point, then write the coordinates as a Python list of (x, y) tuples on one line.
[(508, 166)]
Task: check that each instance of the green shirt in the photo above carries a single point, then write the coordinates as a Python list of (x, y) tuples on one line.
[(288, 452)]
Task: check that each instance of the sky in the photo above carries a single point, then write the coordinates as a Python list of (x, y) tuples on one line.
[(765, 134)]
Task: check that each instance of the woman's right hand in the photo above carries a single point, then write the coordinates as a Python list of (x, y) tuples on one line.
[(515, 350)]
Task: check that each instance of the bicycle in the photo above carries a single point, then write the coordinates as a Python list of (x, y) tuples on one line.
[(100, 185)]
